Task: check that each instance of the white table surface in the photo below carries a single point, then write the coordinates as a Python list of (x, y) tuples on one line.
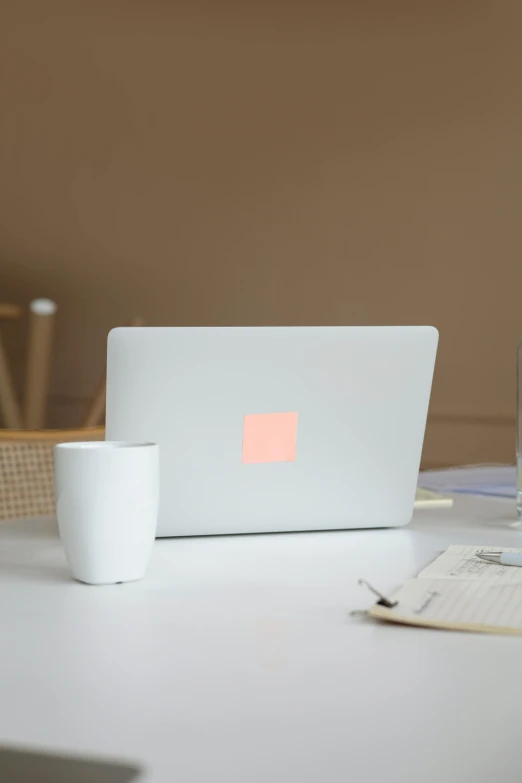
[(236, 660)]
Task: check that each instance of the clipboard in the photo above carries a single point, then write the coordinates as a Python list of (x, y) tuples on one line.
[(458, 592)]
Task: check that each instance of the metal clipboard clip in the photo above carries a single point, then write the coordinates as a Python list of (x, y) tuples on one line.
[(383, 601)]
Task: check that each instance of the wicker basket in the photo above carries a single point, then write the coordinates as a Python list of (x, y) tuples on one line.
[(26, 469)]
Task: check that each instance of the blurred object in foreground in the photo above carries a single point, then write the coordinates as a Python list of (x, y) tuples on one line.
[(24, 766)]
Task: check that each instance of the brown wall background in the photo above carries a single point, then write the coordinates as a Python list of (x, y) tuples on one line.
[(270, 162)]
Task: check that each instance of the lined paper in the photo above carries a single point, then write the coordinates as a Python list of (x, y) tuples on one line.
[(459, 562)]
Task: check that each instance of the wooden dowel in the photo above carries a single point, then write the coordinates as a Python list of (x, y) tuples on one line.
[(38, 361), (96, 410), (10, 311), (11, 414)]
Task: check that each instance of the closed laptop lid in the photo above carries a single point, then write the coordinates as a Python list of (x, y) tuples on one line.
[(275, 428)]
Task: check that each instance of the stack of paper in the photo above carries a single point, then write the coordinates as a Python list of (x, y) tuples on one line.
[(498, 481)]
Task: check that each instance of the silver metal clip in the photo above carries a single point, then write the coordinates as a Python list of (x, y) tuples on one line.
[(383, 601)]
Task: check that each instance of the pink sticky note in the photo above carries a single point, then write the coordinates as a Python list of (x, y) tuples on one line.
[(269, 437)]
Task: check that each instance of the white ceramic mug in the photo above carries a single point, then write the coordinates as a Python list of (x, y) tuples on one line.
[(107, 499)]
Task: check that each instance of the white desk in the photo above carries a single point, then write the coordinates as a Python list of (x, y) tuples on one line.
[(236, 660)]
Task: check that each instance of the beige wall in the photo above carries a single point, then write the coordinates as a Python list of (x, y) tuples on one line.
[(271, 162)]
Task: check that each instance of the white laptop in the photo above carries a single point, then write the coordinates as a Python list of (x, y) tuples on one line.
[(275, 428)]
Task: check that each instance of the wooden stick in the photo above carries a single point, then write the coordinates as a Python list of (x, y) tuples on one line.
[(10, 311), (8, 402), (96, 410), (38, 362)]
